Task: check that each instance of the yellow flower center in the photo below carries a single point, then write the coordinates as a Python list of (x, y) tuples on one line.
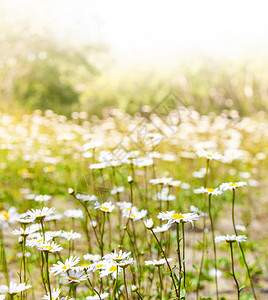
[(129, 209), (73, 278), (64, 267), (104, 208), (48, 248), (211, 190), (84, 265), (99, 266), (132, 216), (113, 268), (233, 184), (177, 216), (209, 155), (5, 214)]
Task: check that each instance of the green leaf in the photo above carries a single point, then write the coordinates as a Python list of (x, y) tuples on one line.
[(241, 288)]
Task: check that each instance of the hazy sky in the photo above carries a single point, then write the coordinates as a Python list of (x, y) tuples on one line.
[(152, 32)]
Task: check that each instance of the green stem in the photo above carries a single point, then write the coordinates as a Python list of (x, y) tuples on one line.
[(161, 283), (115, 285), (232, 259), (170, 270), (92, 285), (179, 253), (125, 283), (214, 245), (204, 235), (48, 281), (183, 255), (3, 256), (241, 248)]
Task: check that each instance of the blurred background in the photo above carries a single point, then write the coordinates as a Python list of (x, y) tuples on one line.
[(88, 56)]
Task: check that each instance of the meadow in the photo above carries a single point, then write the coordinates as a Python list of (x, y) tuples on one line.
[(167, 205)]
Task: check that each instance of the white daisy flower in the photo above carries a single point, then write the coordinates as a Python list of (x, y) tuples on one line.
[(2, 297), (70, 235), (124, 205), (92, 257), (210, 191), (230, 238), (38, 214), (74, 276), (142, 162), (99, 265), (92, 145), (98, 166), (74, 213), (117, 189), (162, 181), (85, 197), (37, 238), (55, 217), (110, 269), (231, 185), (25, 232), (157, 263), (163, 228), (64, 267), (174, 217), (134, 214), (149, 224), (14, 288), (49, 247), (208, 155), (55, 293), (42, 198), (164, 195), (96, 297), (240, 227), (116, 257), (105, 207)]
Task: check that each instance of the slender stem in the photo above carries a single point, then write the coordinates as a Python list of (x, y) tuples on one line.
[(42, 270), (48, 281), (140, 297), (204, 234), (232, 258), (183, 255), (170, 270), (161, 283), (43, 229), (241, 248), (92, 285), (214, 245), (125, 283), (179, 253), (115, 285), (102, 233)]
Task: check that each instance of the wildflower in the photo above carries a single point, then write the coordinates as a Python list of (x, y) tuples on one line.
[(197, 211), (149, 224), (55, 217), (105, 207), (40, 214), (14, 288), (210, 191), (157, 263), (97, 297), (164, 195), (129, 179), (2, 297), (74, 276), (92, 257), (163, 228), (74, 213), (64, 267), (134, 214), (208, 155), (42, 198), (174, 217), (54, 294), (70, 235), (110, 268), (230, 238), (86, 198), (124, 205), (92, 145), (118, 189), (49, 247), (240, 227), (25, 232), (231, 185), (134, 288), (163, 180), (114, 257)]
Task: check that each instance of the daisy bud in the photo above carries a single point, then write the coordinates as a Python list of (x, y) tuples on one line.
[(129, 179), (134, 288), (149, 224), (70, 191)]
